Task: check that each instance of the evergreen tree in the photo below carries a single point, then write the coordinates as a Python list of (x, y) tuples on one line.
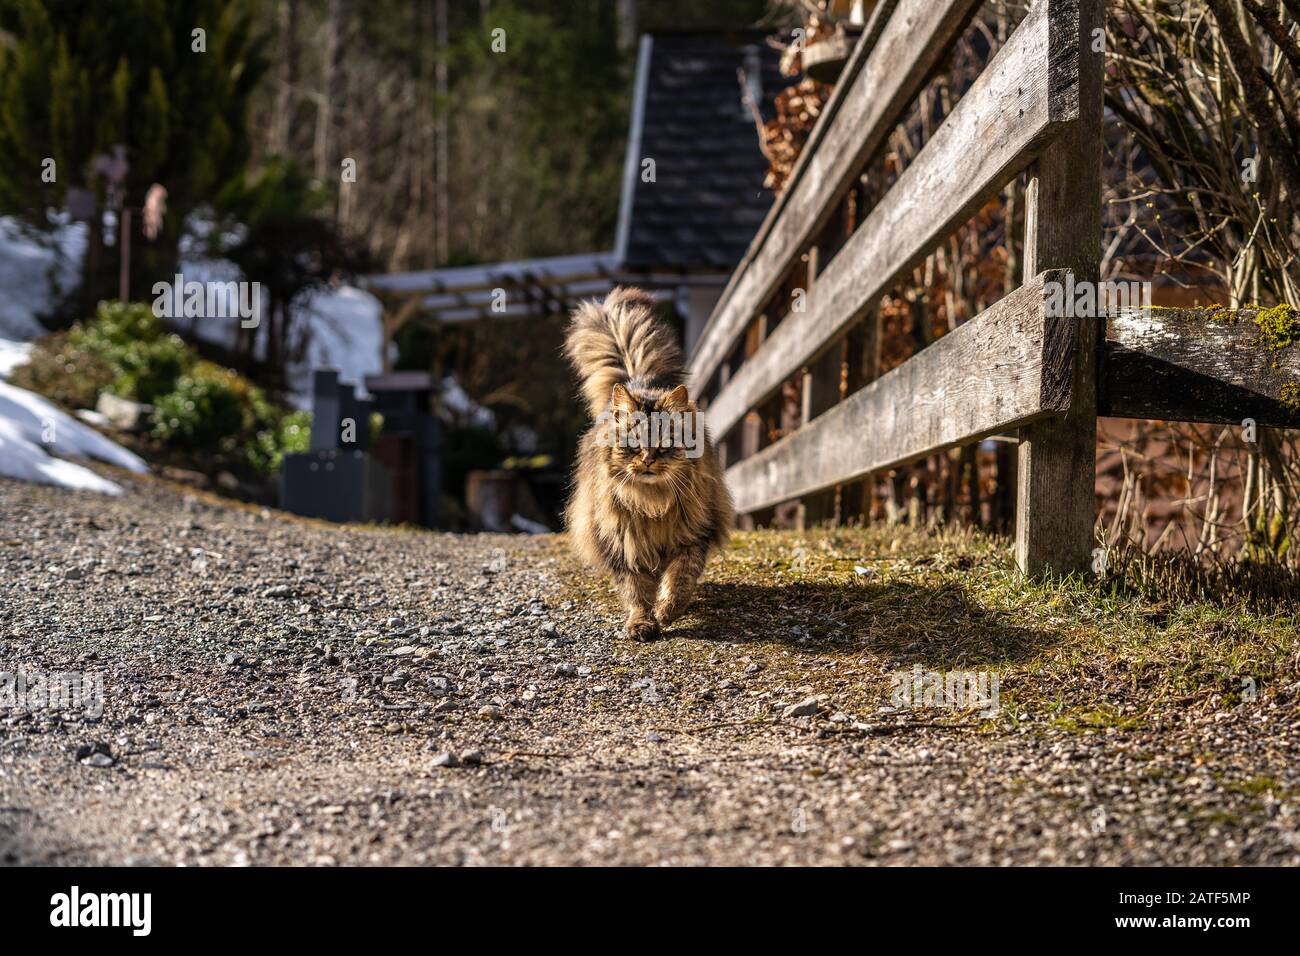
[(271, 224), (169, 80)]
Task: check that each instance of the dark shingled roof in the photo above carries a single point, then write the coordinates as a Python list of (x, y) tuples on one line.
[(708, 198)]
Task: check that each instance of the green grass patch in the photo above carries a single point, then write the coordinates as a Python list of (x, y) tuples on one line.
[(848, 610)]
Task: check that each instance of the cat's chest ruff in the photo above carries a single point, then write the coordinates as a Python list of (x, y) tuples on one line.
[(647, 541)]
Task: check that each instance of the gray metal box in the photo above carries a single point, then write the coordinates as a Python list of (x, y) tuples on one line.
[(336, 485)]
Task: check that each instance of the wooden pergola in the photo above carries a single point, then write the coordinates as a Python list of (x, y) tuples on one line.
[(525, 288)]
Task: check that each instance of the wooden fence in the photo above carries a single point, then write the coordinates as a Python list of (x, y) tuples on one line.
[(1016, 367)]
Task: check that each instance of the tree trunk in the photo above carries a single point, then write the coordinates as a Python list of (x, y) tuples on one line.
[(442, 203), (282, 122), (331, 90), (626, 15)]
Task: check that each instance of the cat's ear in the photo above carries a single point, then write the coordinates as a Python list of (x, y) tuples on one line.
[(621, 401), (676, 401)]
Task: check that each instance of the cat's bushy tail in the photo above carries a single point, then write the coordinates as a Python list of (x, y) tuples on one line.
[(621, 340)]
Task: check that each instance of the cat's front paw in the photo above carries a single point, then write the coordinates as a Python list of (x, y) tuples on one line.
[(668, 611), (643, 630)]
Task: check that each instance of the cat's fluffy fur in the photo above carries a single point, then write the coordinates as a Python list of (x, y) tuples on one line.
[(648, 517)]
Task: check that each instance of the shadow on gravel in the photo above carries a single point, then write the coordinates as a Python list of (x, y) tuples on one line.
[(15, 851), (904, 622)]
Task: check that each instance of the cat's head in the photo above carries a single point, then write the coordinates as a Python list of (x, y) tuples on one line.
[(655, 434)]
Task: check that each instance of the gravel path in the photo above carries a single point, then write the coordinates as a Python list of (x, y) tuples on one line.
[(279, 691)]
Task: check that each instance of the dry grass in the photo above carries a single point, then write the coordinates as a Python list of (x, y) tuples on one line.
[(840, 611)]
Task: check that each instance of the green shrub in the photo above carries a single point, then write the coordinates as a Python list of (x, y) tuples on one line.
[(200, 407), (118, 324), (291, 433), (204, 411), (147, 370), (295, 432), (70, 376), (124, 349), (147, 360)]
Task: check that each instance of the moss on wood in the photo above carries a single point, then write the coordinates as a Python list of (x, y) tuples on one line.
[(1278, 327), (1289, 396)]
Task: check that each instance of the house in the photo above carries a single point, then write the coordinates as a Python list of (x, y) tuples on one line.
[(692, 198)]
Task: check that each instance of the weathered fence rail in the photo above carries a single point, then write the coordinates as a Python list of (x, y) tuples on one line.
[(1198, 365), (928, 403), (1037, 105)]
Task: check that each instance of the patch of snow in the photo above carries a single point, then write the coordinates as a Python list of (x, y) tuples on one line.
[(347, 333), (27, 419), (343, 325), (43, 423), (90, 416), (527, 526), (462, 408), (29, 425), (12, 354), (456, 407), (343, 328), (35, 273), (25, 461)]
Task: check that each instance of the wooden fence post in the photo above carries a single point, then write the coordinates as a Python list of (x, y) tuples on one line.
[(863, 366), (751, 426), (821, 390), (1055, 503)]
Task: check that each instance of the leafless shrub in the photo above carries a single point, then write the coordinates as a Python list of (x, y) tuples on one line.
[(1204, 173)]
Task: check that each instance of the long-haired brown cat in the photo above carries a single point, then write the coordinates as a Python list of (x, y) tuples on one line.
[(649, 503)]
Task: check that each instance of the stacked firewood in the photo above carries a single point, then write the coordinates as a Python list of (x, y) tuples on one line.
[(797, 108)]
